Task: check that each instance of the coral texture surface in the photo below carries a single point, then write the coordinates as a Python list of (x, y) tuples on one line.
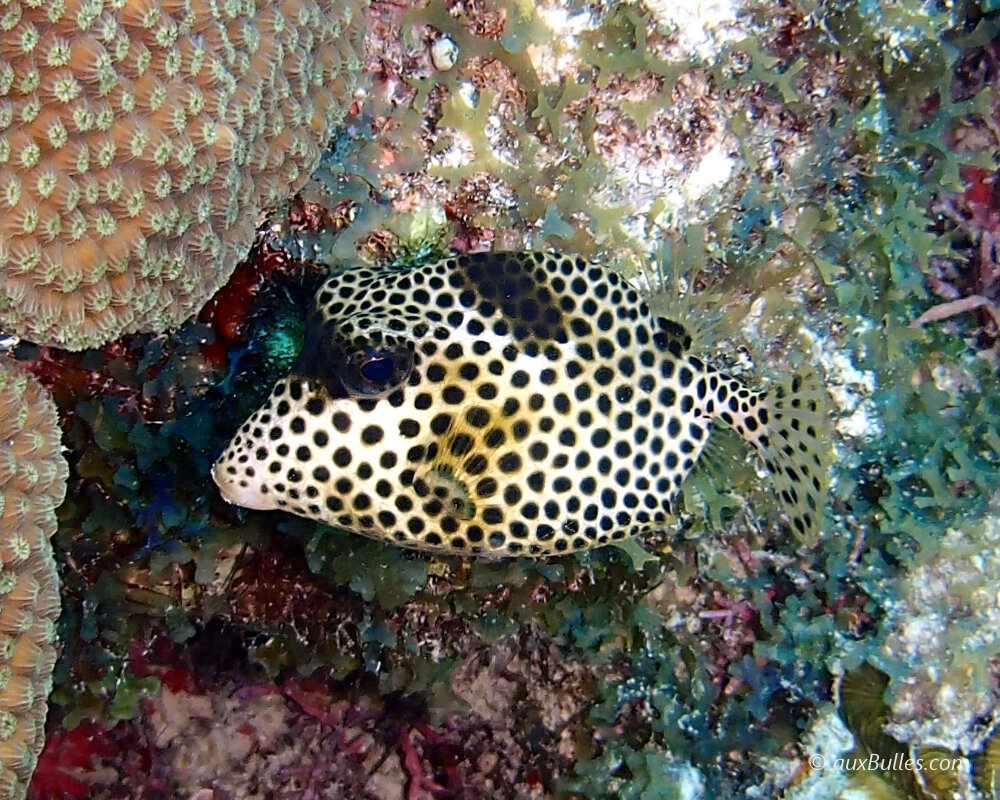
[(32, 483), (138, 142)]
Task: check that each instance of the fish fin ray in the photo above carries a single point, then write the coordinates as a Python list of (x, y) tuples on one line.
[(670, 295), (794, 444), (723, 461)]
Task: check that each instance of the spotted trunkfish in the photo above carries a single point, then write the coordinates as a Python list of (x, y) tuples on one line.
[(499, 404)]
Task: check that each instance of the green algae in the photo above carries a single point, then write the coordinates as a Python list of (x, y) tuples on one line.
[(390, 576), (885, 225), (552, 162)]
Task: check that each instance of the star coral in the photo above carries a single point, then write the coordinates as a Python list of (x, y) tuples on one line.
[(138, 142), (32, 483)]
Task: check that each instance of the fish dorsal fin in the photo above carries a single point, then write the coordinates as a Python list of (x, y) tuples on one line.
[(691, 318)]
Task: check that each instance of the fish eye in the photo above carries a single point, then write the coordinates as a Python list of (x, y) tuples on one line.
[(378, 369), (374, 371)]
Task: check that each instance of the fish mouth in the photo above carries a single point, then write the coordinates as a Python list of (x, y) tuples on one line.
[(240, 489)]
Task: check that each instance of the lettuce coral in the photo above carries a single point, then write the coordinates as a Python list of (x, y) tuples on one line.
[(32, 483), (138, 143)]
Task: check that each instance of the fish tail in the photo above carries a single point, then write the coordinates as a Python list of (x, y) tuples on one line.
[(789, 426)]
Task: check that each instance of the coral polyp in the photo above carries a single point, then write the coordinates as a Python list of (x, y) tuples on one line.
[(32, 485), (139, 142)]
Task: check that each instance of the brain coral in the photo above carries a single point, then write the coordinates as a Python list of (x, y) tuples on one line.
[(32, 483), (139, 140)]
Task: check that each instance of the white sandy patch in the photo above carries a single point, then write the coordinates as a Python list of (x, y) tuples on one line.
[(702, 27)]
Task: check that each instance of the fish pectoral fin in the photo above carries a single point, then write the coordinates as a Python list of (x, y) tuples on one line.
[(453, 493)]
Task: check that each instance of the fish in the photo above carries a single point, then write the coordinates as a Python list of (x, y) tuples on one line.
[(507, 404)]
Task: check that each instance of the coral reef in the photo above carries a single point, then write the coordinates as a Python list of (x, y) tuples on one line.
[(235, 735), (827, 174), (32, 484), (139, 141), (944, 628)]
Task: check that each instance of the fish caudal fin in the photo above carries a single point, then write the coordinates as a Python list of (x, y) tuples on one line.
[(789, 426)]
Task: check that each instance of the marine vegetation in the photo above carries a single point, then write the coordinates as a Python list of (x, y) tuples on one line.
[(821, 177)]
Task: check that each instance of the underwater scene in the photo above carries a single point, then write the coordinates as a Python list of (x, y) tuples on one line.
[(458, 399)]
